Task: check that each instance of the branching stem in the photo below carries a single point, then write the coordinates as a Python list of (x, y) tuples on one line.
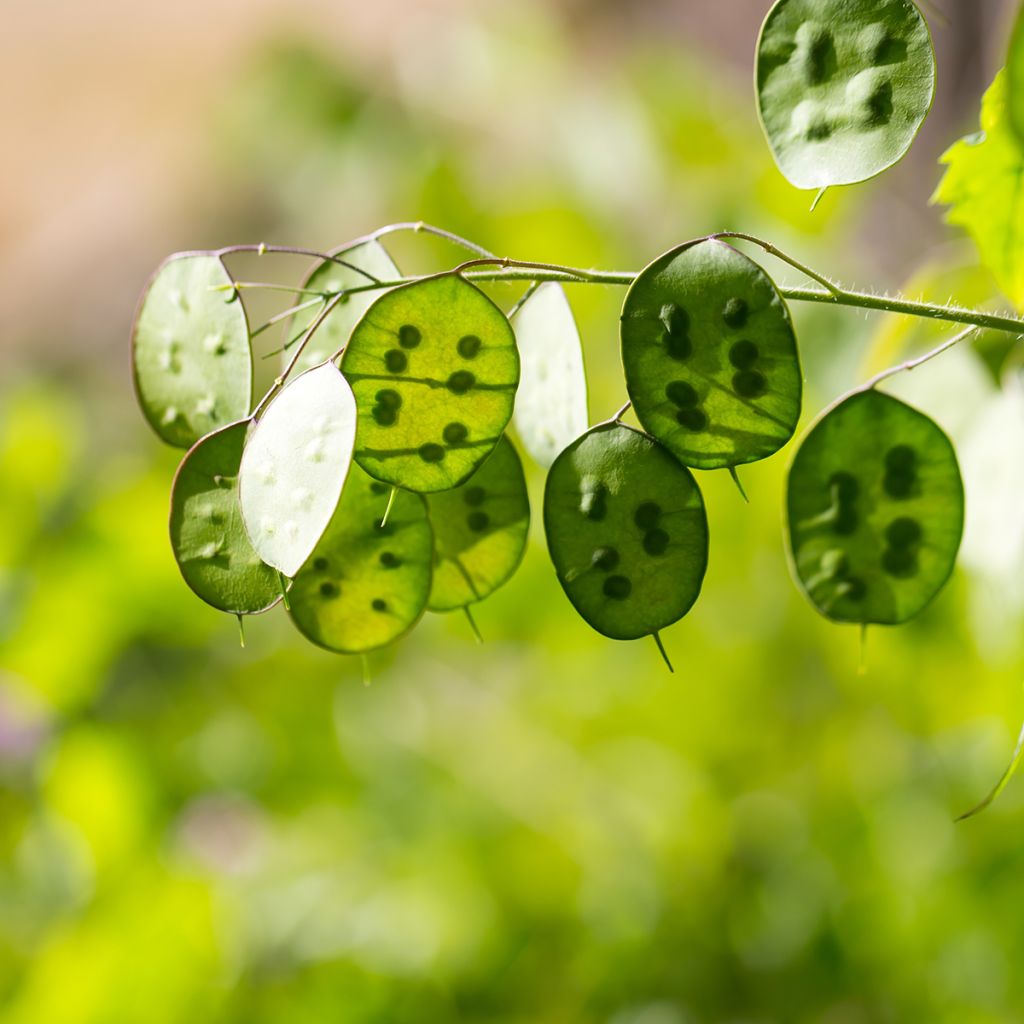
[(912, 364), (494, 269), (262, 248)]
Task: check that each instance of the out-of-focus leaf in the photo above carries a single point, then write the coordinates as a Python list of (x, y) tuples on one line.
[(984, 189), (1015, 76)]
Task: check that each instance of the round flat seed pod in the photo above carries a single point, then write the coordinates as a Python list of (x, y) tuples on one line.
[(434, 368), (480, 531), (211, 547), (335, 330), (551, 403), (710, 357), (875, 511), (365, 584), (294, 466), (191, 357), (843, 86), (626, 530)]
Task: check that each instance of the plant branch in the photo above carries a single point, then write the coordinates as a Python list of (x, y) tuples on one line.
[(927, 310), (780, 255), (912, 364), (419, 227), (285, 313), (279, 381), (291, 250), (519, 270)]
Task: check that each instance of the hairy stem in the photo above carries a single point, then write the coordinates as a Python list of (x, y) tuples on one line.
[(517, 270), (913, 364)]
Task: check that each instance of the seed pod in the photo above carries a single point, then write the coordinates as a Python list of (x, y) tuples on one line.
[(875, 511), (434, 369), (480, 531), (191, 357), (843, 86), (210, 544), (551, 403), (294, 466), (365, 584), (710, 357), (626, 531), (333, 333)]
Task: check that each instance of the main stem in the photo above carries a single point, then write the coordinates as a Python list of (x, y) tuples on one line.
[(521, 270), (514, 270)]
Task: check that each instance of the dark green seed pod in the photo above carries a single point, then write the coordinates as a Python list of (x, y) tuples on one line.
[(843, 86), (653, 532), (480, 531), (364, 586), (735, 398), (861, 550), (210, 544), (191, 357), (456, 396)]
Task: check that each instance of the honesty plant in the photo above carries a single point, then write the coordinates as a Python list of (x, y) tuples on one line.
[(377, 479)]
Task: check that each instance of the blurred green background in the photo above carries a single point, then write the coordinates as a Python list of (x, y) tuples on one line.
[(548, 827)]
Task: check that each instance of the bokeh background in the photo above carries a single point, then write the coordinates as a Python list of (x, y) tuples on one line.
[(549, 827)]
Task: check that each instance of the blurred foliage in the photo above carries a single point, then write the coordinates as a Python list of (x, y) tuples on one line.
[(549, 827)]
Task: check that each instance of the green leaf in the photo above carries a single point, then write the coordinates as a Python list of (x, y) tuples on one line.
[(480, 531), (551, 403), (626, 531), (294, 466), (210, 544), (710, 357), (1015, 76), (191, 356), (365, 584), (333, 333), (875, 511), (434, 368), (843, 86), (984, 188)]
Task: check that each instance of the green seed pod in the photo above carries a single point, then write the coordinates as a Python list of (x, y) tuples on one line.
[(480, 530), (294, 466), (191, 357), (365, 584), (843, 86), (210, 544), (333, 333), (710, 357), (875, 511), (434, 369), (551, 403), (626, 530)]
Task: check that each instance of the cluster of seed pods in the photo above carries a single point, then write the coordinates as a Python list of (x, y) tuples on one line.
[(382, 481)]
